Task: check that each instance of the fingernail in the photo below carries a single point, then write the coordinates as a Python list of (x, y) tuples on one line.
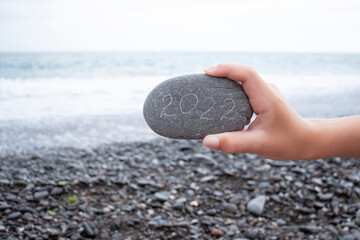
[(211, 142), (210, 69)]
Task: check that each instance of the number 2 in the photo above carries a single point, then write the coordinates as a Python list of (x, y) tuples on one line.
[(162, 114), (202, 115), (233, 106)]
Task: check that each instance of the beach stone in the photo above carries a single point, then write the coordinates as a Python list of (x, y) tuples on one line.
[(326, 196), (252, 234), (56, 191), (230, 207), (14, 215), (117, 236), (256, 205), (217, 232), (40, 195), (162, 196), (193, 106), (87, 232)]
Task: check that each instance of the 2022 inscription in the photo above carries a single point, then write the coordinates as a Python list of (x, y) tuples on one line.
[(190, 101)]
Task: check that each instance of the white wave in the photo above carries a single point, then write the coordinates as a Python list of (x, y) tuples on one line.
[(42, 98), (37, 98)]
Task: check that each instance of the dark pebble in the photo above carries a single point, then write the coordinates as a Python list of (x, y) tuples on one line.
[(104, 235), (211, 212), (326, 196), (53, 232), (348, 237), (181, 224), (252, 234), (230, 207), (204, 159), (117, 236), (40, 195), (56, 191), (14, 215), (87, 232), (5, 206)]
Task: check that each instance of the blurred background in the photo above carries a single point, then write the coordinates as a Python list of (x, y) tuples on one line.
[(76, 73)]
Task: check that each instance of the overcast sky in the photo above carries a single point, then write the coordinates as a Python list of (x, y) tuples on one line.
[(230, 25)]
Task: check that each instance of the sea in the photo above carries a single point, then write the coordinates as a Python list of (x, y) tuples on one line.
[(85, 99)]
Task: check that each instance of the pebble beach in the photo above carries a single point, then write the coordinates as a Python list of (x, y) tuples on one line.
[(176, 189)]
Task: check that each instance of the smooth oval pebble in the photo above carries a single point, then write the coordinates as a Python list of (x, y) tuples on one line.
[(196, 105)]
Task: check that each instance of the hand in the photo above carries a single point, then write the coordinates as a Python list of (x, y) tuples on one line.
[(278, 132)]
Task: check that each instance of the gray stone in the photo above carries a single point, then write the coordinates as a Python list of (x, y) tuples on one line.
[(326, 196), (181, 200), (87, 232), (230, 207), (14, 215), (348, 237), (40, 195), (252, 234), (288, 163), (193, 106), (117, 236), (56, 191), (208, 178), (256, 205), (162, 196), (202, 158), (280, 222)]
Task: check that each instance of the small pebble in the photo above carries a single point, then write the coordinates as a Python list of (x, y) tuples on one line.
[(14, 215), (162, 196), (230, 207), (217, 232), (256, 205), (117, 236), (56, 191), (106, 210), (40, 195), (194, 203), (87, 232)]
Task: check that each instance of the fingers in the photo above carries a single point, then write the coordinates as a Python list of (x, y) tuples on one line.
[(251, 81), (257, 90), (232, 142), (236, 72)]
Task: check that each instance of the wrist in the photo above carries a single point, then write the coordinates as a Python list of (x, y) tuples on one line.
[(311, 140), (324, 138)]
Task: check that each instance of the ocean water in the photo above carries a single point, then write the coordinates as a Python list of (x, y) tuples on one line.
[(85, 99)]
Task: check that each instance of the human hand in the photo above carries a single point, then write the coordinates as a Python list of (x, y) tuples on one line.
[(278, 132)]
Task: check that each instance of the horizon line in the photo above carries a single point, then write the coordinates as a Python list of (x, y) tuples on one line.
[(180, 51)]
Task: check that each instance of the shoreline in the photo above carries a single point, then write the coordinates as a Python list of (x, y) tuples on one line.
[(175, 189)]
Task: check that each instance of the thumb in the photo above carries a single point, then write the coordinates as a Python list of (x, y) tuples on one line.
[(233, 142)]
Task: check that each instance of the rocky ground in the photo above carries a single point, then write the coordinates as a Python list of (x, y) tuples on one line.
[(171, 189)]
